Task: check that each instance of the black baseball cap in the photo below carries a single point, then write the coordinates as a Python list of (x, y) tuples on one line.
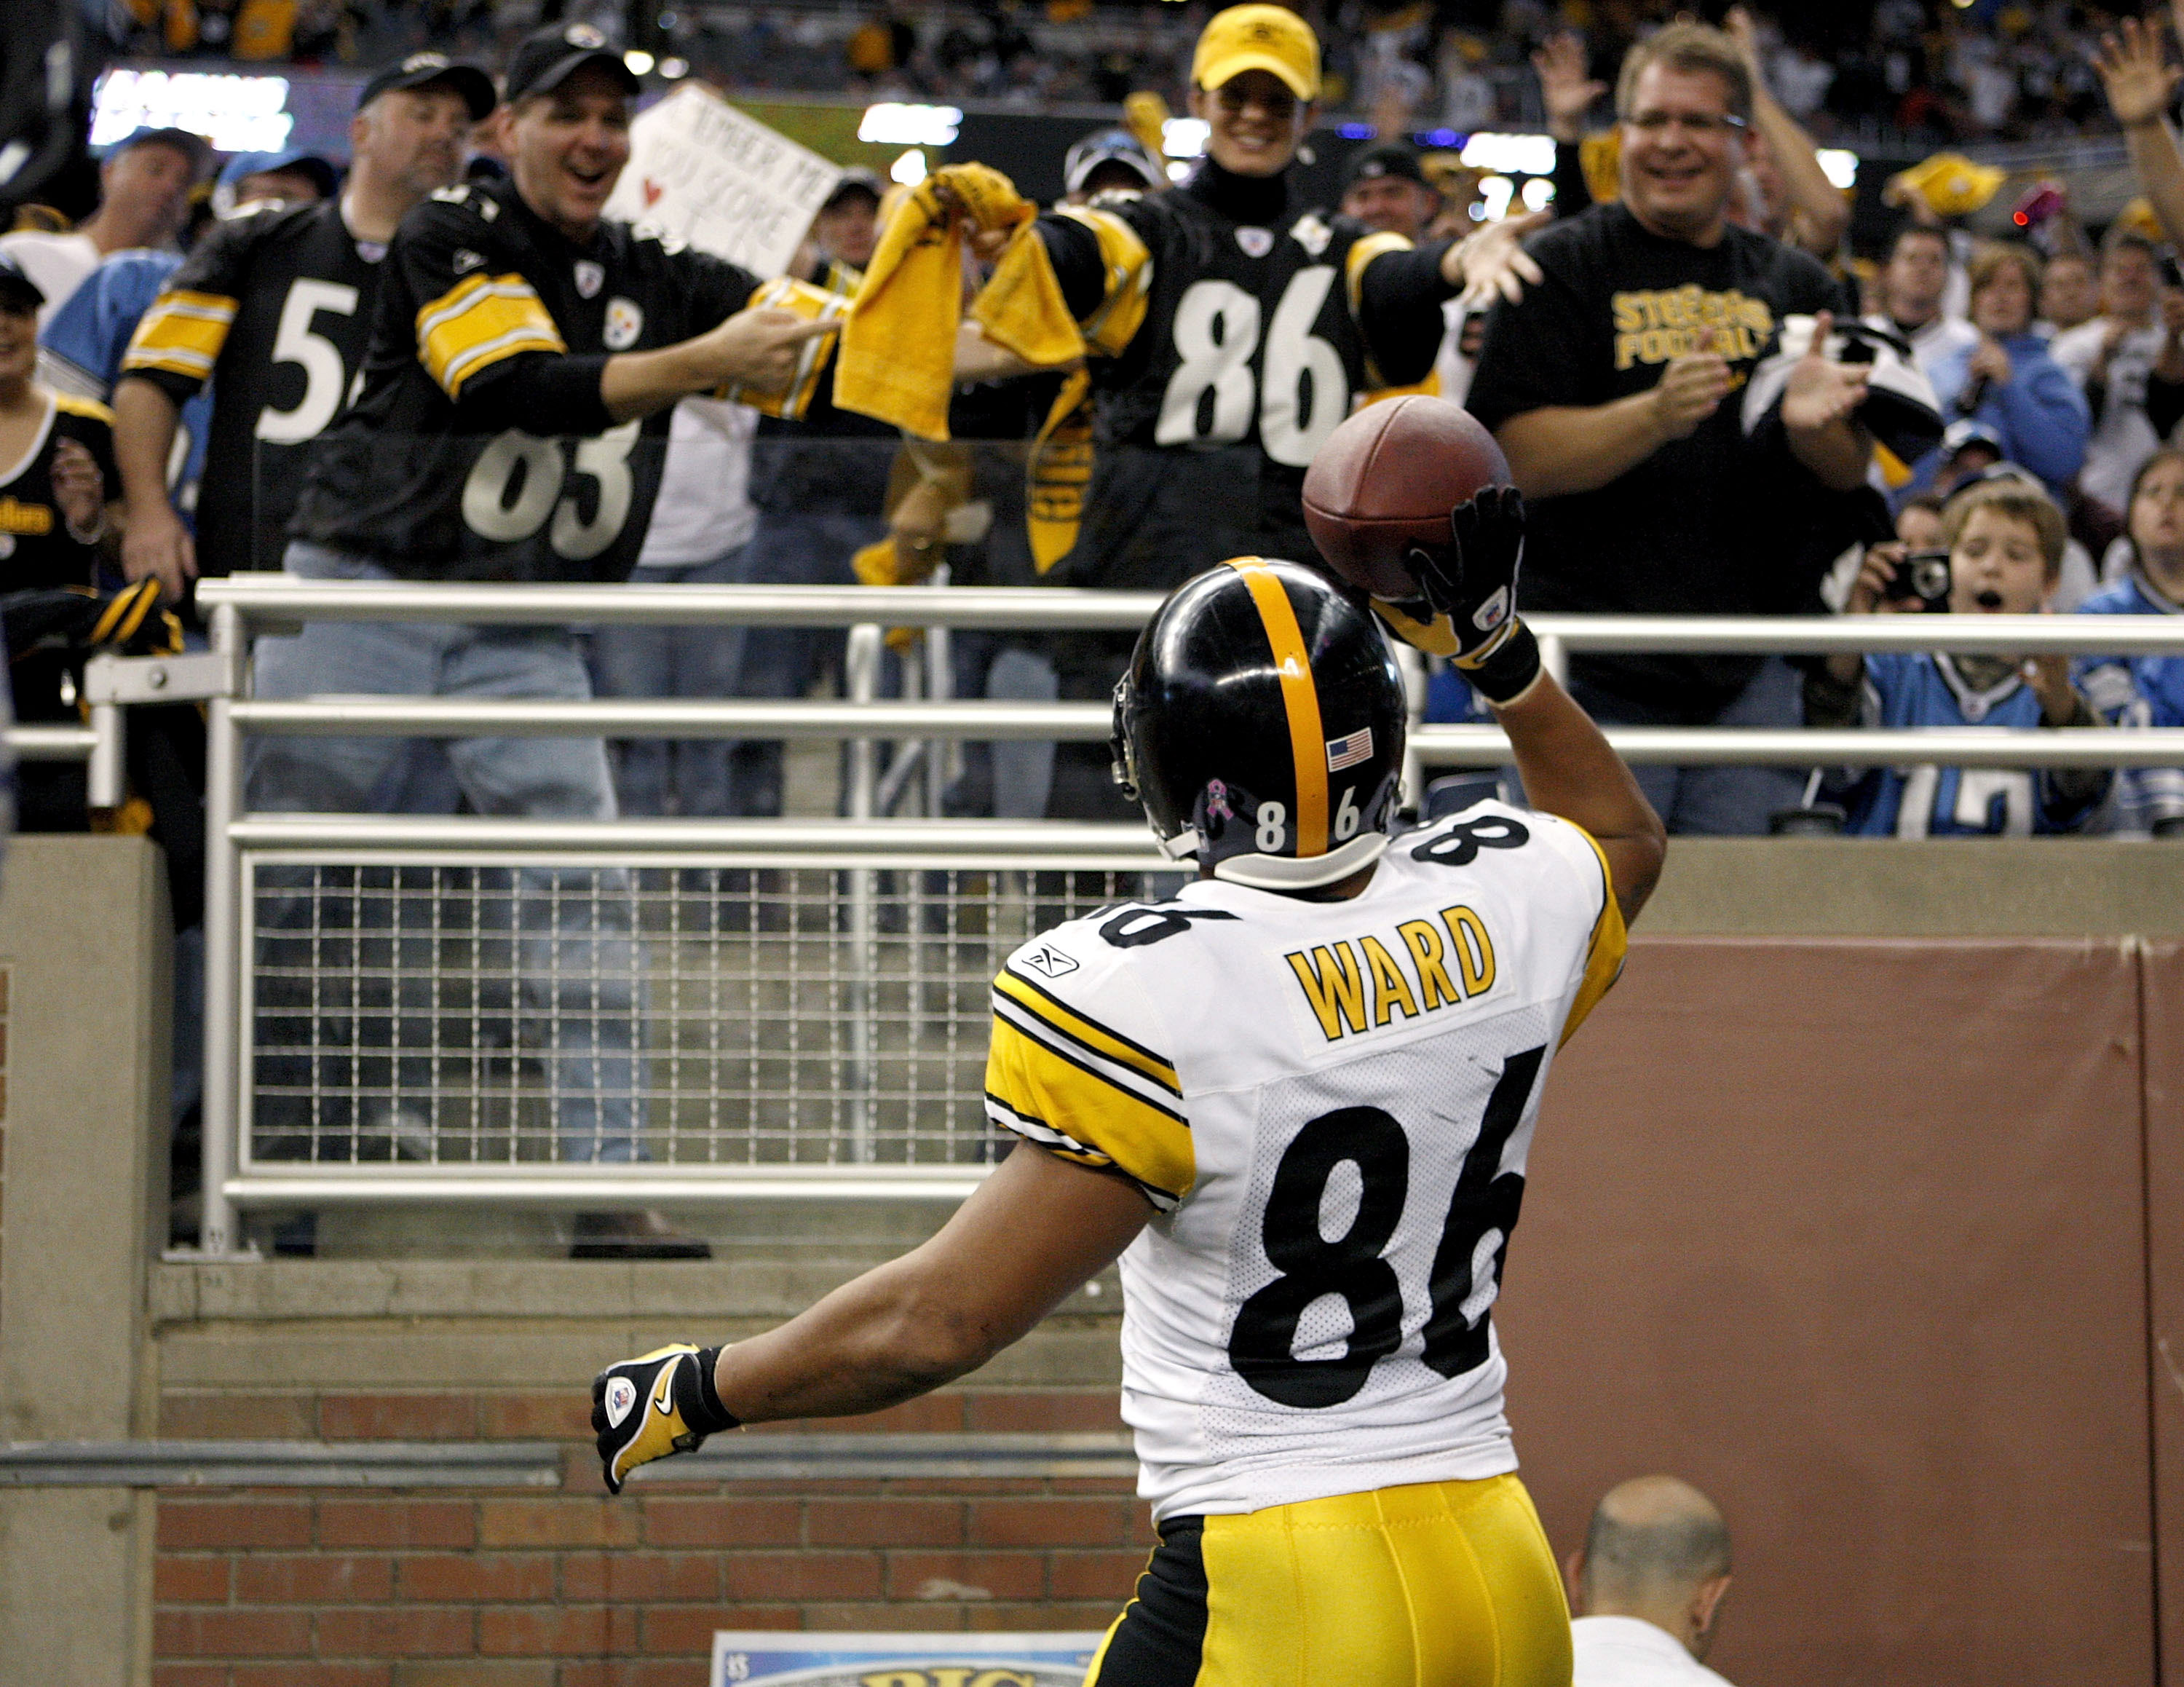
[(18, 288), (423, 71), (856, 180), (1391, 159), (548, 58)]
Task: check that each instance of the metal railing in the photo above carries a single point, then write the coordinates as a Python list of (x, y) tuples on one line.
[(396, 1011)]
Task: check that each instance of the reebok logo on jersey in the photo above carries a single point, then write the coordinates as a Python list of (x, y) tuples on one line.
[(1348, 752), (622, 1394), (466, 260), (1256, 242), (1049, 962), (1358, 984)]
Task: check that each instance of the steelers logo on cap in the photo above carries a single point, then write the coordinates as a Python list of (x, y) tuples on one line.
[(1263, 31), (584, 36)]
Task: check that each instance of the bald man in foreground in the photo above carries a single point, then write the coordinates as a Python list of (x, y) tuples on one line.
[(1649, 1581)]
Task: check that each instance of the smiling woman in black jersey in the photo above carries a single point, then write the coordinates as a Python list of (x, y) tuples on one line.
[(56, 468)]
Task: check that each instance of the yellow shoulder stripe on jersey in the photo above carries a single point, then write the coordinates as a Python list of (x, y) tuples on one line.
[(181, 333), (1087, 1031), (1064, 1104), (1129, 284), (1362, 251), (1299, 702), (479, 322), (1604, 955), (75, 405)]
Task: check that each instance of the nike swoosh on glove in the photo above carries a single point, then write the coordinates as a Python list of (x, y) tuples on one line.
[(655, 1406)]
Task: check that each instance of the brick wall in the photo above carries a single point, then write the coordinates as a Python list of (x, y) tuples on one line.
[(447, 1589)]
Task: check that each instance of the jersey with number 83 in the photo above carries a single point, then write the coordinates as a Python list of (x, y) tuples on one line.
[(467, 455), (1330, 1106)]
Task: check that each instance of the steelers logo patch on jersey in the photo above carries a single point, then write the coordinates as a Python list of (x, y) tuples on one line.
[(625, 322)]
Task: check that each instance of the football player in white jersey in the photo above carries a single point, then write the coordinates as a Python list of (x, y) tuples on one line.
[(1297, 1100)]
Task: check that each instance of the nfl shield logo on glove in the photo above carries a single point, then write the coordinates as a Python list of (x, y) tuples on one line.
[(621, 1396)]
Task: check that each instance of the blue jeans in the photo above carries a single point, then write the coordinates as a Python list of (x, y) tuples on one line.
[(788, 550), (563, 934), (658, 776), (1717, 802)]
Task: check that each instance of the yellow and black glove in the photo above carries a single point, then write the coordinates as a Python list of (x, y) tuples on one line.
[(649, 1407)]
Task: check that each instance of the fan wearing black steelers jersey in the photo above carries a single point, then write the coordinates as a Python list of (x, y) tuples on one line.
[(527, 351), (1231, 327), (274, 309), (1295, 1099)]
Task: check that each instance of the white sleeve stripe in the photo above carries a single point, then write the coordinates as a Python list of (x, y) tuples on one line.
[(1129, 1079), (1044, 1135)]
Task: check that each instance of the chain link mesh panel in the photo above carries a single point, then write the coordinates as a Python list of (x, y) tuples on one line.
[(725, 1016)]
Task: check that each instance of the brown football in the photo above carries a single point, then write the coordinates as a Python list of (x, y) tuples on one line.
[(1387, 479)]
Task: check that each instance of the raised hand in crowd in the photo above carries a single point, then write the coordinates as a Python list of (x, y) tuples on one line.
[(1493, 264), (1819, 408), (1990, 363), (2139, 80), (79, 489), (1565, 88), (760, 348), (1815, 215), (1690, 389)]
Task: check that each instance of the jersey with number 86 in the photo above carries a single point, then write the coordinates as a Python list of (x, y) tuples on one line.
[(1330, 1106)]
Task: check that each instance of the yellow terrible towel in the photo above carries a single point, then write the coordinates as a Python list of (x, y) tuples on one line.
[(897, 359)]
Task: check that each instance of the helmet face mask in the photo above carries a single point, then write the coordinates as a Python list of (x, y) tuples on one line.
[(1261, 726)]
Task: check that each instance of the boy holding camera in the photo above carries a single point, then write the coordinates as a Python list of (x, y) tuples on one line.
[(2003, 538)]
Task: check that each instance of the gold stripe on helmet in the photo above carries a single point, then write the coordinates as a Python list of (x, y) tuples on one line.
[(1300, 701)]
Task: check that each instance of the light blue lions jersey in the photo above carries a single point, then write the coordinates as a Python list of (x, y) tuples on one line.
[(2137, 691), (80, 350), (1906, 689)]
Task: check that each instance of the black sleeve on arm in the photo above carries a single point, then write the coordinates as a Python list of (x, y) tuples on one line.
[(2165, 403), (714, 288), (1572, 194), (542, 393), (1399, 310), (1074, 251)]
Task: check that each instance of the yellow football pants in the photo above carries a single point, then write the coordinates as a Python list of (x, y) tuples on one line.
[(1432, 1584)]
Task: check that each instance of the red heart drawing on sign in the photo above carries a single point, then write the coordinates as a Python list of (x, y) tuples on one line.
[(651, 191)]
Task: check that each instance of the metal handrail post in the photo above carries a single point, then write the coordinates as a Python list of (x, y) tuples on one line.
[(861, 675), (940, 687), (105, 774), (222, 1108), (1554, 657)]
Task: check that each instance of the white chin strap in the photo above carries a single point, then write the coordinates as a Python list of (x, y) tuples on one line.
[(1286, 872)]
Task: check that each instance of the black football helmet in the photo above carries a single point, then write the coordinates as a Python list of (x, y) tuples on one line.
[(1261, 724)]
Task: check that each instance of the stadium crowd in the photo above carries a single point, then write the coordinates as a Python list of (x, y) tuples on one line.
[(1712, 406)]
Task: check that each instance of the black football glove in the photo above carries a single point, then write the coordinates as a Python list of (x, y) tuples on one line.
[(1471, 579), (648, 1408)]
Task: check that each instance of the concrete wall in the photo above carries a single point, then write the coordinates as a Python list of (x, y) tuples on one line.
[(84, 940)]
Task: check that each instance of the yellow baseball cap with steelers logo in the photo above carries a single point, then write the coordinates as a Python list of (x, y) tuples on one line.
[(1258, 38)]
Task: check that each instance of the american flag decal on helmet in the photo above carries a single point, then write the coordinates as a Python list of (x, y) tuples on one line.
[(1348, 752)]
